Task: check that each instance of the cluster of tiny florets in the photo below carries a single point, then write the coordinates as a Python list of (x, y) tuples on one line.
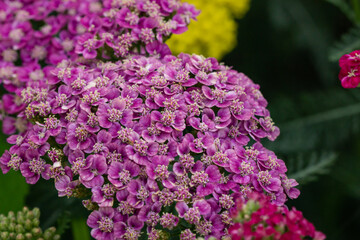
[(137, 146), (37, 35), (350, 69), (258, 218)]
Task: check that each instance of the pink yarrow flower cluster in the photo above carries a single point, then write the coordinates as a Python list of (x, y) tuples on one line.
[(257, 218), (37, 35), (350, 69), (164, 143)]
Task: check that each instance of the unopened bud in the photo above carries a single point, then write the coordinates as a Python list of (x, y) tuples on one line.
[(11, 227), (11, 215), (28, 224), (20, 236), (19, 214), (56, 237), (25, 210), (49, 233), (4, 235), (89, 205), (35, 222), (3, 224), (163, 235), (36, 212), (19, 228), (36, 232), (28, 236), (30, 215), (21, 220)]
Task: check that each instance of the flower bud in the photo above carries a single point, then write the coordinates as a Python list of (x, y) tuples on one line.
[(89, 205), (3, 224), (4, 235), (20, 236), (35, 222), (25, 210), (36, 232), (20, 218), (19, 228), (28, 224), (11, 215), (56, 237), (49, 233), (11, 227), (30, 215), (36, 212), (28, 236)]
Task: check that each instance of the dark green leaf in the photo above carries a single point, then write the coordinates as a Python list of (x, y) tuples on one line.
[(348, 43), (307, 167)]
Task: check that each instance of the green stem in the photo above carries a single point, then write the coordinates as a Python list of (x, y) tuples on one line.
[(80, 229), (356, 7)]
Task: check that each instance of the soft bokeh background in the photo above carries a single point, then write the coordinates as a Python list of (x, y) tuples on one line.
[(286, 47)]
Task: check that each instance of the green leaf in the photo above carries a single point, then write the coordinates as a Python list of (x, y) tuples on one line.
[(63, 222), (306, 168), (345, 8), (309, 32), (13, 187), (44, 196), (348, 43), (80, 229), (308, 122)]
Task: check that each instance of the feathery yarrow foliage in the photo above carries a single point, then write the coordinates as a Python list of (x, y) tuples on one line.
[(215, 32), (257, 218), (25, 225)]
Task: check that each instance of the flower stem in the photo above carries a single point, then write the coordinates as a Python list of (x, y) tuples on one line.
[(356, 7)]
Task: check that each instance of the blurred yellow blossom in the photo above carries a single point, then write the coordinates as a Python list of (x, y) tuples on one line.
[(214, 34)]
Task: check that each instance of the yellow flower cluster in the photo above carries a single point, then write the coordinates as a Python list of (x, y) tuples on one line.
[(214, 33)]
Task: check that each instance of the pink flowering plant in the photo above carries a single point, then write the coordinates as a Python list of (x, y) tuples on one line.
[(150, 142), (350, 69), (258, 218), (157, 146), (38, 35)]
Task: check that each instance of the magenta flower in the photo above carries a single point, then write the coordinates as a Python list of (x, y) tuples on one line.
[(267, 181), (204, 179), (87, 46), (257, 217), (65, 186), (78, 137), (105, 223), (103, 139), (63, 101), (116, 112), (91, 173), (138, 193), (140, 151), (120, 174), (33, 167)]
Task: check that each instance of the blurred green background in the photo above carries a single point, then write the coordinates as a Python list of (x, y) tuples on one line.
[(289, 48)]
